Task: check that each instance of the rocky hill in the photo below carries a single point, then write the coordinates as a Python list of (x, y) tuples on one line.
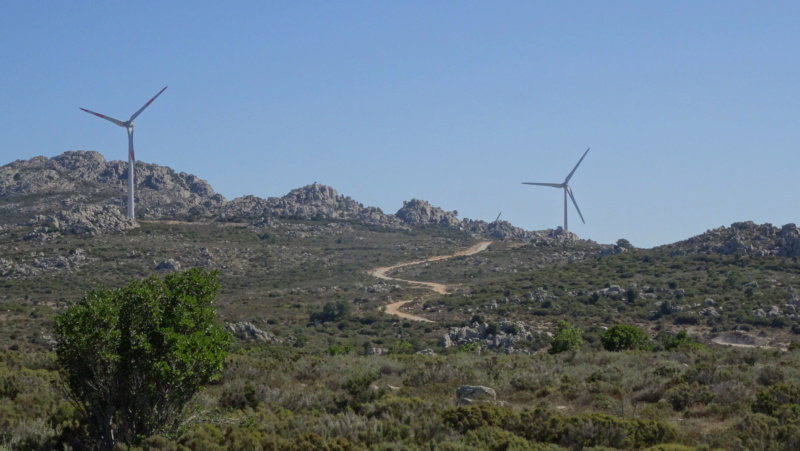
[(80, 192), (743, 238), (48, 186)]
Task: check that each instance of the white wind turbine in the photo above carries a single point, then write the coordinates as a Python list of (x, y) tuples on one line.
[(567, 190), (131, 158)]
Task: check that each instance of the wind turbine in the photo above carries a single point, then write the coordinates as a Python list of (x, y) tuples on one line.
[(131, 158), (567, 190)]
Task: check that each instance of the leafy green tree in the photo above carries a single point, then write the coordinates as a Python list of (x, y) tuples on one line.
[(622, 337), (567, 338), (331, 311), (131, 358), (625, 244)]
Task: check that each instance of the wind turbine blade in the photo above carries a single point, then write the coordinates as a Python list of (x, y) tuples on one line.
[(576, 167), (146, 105), (569, 190), (554, 185), (116, 121)]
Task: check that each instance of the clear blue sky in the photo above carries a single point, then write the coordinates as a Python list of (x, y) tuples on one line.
[(690, 108)]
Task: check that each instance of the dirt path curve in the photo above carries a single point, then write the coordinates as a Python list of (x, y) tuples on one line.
[(381, 273), (746, 342)]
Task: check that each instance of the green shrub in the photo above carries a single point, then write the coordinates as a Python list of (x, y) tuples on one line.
[(433, 372), (203, 436), (757, 431), (768, 401), (567, 339), (582, 431), (624, 244), (337, 349), (361, 390), (132, 358), (622, 337), (495, 439), (681, 341), (469, 418), (683, 396), (331, 311), (402, 347), (238, 395)]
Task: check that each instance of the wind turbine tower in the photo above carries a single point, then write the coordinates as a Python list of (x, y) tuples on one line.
[(131, 158), (567, 190)]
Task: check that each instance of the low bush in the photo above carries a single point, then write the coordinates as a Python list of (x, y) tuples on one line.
[(768, 401), (567, 338), (623, 337)]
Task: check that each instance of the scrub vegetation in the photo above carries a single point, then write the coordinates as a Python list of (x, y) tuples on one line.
[(628, 354)]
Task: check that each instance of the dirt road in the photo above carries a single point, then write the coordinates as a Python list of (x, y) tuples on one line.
[(381, 273)]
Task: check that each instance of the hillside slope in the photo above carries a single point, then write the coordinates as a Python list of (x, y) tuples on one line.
[(63, 231)]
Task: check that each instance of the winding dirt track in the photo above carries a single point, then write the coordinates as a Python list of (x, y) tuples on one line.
[(381, 273)]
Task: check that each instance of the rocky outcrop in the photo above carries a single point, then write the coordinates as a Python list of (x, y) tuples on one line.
[(470, 394), (419, 212), (93, 193), (313, 201), (164, 194), (512, 337), (168, 265), (743, 238), (39, 263), (247, 331), (81, 220), (789, 241), (86, 177)]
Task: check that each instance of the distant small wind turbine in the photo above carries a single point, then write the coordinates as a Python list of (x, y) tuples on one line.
[(131, 158), (567, 190)]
